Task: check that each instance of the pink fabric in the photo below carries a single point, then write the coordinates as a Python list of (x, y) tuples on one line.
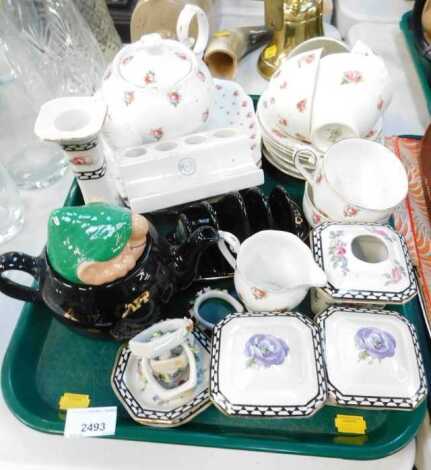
[(411, 218)]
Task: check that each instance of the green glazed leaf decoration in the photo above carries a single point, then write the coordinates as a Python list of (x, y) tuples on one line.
[(94, 232)]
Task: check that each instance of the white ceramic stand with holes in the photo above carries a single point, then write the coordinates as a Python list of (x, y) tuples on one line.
[(186, 169)]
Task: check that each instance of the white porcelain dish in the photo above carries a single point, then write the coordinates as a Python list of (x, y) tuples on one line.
[(142, 402), (267, 365), (372, 358)]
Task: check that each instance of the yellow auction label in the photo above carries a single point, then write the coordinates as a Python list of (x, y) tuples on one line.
[(221, 34), (350, 424), (73, 400), (270, 52)]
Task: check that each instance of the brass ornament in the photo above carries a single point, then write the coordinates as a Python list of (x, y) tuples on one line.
[(292, 22)]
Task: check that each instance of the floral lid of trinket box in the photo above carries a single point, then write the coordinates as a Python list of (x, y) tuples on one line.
[(267, 365), (372, 359), (364, 263)]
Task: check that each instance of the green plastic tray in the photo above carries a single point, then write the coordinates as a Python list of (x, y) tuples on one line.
[(422, 65), (45, 360)]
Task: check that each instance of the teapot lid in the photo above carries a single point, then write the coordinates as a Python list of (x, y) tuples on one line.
[(155, 62)]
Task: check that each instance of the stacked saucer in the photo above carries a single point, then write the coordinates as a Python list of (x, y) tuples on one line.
[(279, 148)]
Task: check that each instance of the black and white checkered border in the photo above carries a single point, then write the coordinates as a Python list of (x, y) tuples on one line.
[(364, 295), (92, 175), (256, 411), (406, 403), (80, 147), (174, 416)]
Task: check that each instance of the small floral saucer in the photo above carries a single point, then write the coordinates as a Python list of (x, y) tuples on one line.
[(267, 365), (143, 404), (372, 359), (365, 263)]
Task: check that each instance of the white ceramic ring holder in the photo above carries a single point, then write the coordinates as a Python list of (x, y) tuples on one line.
[(148, 348), (214, 294), (183, 25)]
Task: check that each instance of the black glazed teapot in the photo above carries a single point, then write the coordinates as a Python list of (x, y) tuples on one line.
[(118, 309)]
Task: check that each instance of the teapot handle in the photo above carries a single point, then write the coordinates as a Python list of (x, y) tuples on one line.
[(309, 175), (227, 238), (15, 261), (183, 26)]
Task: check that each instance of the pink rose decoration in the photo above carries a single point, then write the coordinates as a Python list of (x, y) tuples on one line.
[(126, 60), (350, 211), (157, 133), (174, 98), (301, 105), (316, 218), (352, 76), (149, 77)]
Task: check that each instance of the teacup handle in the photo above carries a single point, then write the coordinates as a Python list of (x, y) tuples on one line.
[(15, 261), (234, 244), (309, 175), (169, 393), (183, 26)]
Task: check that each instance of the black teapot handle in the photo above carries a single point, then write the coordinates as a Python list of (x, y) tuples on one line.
[(16, 261)]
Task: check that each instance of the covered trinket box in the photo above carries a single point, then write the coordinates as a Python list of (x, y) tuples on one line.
[(364, 264)]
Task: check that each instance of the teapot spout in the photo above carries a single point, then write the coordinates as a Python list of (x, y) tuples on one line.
[(187, 256)]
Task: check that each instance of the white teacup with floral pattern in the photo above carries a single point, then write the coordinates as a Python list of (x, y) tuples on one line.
[(273, 269), (357, 180), (288, 101), (352, 92)]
